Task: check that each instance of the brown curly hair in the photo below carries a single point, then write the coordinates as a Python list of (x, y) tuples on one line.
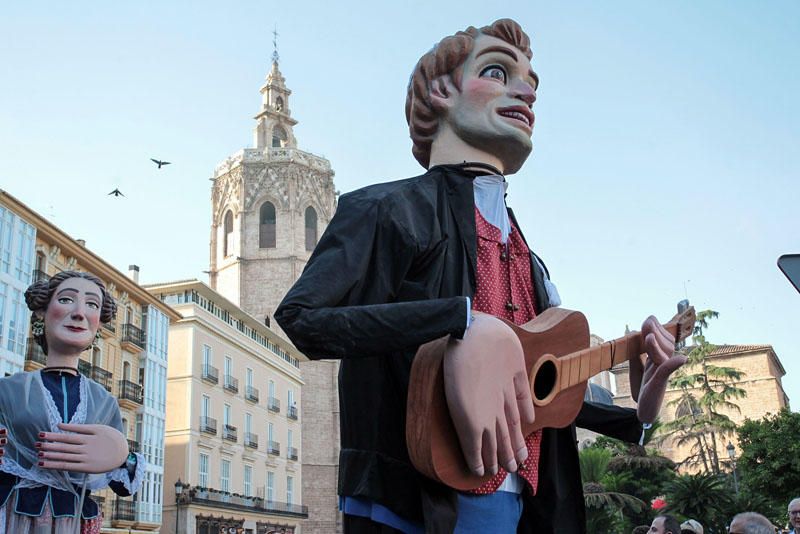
[(39, 294), (447, 58)]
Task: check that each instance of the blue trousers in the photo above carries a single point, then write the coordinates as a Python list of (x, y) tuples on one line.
[(498, 513)]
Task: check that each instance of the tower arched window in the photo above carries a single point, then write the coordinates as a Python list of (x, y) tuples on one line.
[(279, 137), (227, 243), (311, 228), (266, 225), (279, 104)]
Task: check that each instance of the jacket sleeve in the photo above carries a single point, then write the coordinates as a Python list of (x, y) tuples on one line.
[(345, 304), (612, 421)]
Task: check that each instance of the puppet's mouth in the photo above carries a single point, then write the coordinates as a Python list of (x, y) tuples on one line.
[(519, 113)]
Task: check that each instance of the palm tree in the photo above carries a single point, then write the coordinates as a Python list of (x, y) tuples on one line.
[(705, 496), (603, 505)]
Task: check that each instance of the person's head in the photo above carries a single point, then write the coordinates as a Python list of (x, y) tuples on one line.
[(67, 310), (665, 524), (641, 529), (474, 90), (750, 523), (794, 513), (690, 526)]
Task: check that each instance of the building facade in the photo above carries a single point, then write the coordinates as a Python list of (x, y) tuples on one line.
[(762, 373), (270, 204), (129, 360), (233, 426)]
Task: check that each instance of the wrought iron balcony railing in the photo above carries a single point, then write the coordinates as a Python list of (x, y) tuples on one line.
[(85, 368), (124, 510), (251, 440), (291, 453), (251, 394), (131, 391), (35, 353), (231, 384), (273, 404), (273, 447), (37, 275), (208, 425), (133, 334), (133, 445), (210, 373), (291, 413), (221, 499), (229, 432), (102, 377)]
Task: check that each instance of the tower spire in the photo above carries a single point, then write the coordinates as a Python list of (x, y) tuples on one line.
[(275, 56)]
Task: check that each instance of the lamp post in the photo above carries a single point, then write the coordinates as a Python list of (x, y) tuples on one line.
[(178, 496), (732, 455)]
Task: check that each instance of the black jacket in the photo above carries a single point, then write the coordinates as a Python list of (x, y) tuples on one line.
[(390, 273)]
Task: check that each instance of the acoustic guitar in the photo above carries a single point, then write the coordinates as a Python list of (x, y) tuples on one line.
[(559, 363)]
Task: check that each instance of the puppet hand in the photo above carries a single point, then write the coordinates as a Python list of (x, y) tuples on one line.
[(2, 443), (649, 381), (86, 449), (488, 395)]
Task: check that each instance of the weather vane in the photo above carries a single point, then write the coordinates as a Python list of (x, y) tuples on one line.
[(275, 44)]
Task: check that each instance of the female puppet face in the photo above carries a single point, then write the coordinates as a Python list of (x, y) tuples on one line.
[(492, 111), (73, 316)]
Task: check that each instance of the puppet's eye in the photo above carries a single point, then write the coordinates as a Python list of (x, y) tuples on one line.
[(495, 72)]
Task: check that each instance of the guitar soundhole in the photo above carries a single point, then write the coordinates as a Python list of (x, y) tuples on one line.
[(545, 380)]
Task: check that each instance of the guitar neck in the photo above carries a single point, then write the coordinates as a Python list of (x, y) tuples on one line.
[(578, 367)]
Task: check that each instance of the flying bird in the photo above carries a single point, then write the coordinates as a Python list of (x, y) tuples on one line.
[(159, 162), (116, 193)]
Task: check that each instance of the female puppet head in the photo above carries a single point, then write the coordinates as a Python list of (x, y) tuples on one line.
[(67, 310), (440, 71)]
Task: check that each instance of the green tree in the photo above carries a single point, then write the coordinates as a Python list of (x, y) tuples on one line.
[(604, 505), (769, 463), (705, 497), (707, 390)]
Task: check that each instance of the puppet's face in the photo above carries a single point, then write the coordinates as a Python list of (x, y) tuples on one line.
[(492, 111), (73, 316)]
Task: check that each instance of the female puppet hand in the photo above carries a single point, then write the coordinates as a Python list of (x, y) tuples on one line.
[(488, 395), (649, 381), (86, 449)]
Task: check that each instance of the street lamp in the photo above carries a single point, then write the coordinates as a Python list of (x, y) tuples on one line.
[(732, 455), (178, 496)]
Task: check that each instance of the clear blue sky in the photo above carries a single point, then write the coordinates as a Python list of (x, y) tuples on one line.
[(665, 149)]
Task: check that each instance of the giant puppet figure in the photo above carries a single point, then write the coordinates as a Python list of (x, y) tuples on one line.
[(406, 262), (60, 432)]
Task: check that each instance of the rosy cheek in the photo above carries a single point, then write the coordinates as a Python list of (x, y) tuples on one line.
[(481, 91)]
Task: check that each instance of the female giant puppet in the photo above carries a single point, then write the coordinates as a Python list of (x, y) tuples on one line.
[(62, 430), (403, 263)]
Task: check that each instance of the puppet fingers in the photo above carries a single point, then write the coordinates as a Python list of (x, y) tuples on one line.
[(51, 446), (71, 457), (519, 452), (62, 438), (489, 451)]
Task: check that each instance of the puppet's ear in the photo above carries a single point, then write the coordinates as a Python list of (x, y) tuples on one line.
[(443, 92)]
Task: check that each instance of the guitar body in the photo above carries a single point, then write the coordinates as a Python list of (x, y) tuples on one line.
[(431, 437)]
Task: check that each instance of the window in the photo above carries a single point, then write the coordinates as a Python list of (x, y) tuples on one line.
[(289, 441), (125, 427), (227, 243), (225, 476), (270, 430), (248, 422), (290, 398), (278, 137), (289, 489), (202, 475), (249, 377), (270, 486), (226, 415), (311, 228), (205, 407), (279, 104), (266, 225), (248, 480), (271, 389)]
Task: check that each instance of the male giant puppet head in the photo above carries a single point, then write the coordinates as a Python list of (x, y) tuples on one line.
[(472, 95)]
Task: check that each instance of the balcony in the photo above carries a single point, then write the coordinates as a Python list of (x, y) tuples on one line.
[(291, 453), (109, 329), (251, 440), (37, 275), (132, 338), (208, 425), (131, 394), (133, 445), (210, 374), (85, 368), (35, 353), (124, 511), (102, 377), (251, 394), (274, 448), (274, 405), (219, 499), (291, 413), (229, 433), (231, 384)]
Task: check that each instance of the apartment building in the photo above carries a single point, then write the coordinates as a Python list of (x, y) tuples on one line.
[(233, 426), (130, 359)]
